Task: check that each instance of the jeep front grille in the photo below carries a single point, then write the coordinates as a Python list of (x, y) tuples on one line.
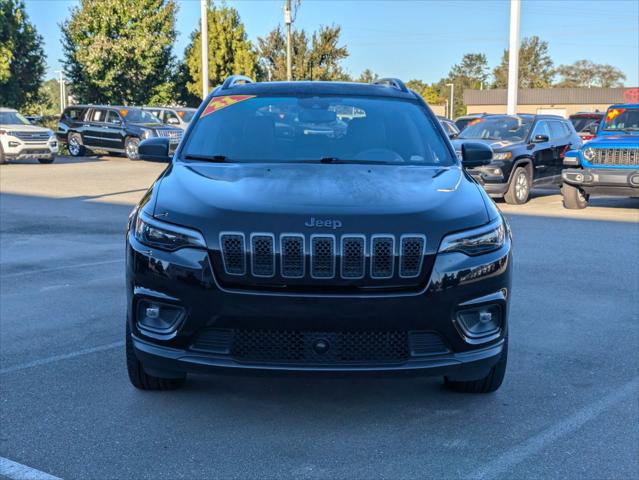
[(322, 256), (624, 157)]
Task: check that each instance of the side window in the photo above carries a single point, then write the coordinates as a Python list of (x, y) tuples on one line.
[(556, 130), (170, 117), (113, 117), (98, 116), (541, 129), (73, 113)]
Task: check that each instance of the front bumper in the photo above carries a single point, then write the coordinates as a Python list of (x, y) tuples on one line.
[(14, 149), (604, 181), (185, 278)]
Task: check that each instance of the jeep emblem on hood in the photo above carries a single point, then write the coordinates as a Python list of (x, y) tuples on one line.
[(326, 223)]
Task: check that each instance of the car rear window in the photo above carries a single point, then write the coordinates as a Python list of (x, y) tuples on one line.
[(293, 129)]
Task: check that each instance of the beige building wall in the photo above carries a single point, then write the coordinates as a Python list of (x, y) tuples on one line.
[(569, 109), (438, 110)]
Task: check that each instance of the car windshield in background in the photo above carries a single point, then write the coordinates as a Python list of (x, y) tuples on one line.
[(626, 119), (582, 122), (137, 115), (321, 128), (513, 129), (186, 115), (13, 118)]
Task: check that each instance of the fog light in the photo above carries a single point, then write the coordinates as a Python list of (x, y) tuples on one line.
[(14, 144), (579, 177), (160, 318), (481, 321)]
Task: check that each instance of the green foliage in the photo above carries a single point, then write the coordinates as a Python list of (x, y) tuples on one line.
[(48, 100), (368, 76), (317, 58), (471, 72), (22, 58), (427, 92), (119, 51), (535, 65), (584, 73), (229, 52)]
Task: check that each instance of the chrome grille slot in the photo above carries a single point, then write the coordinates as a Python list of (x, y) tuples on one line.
[(382, 256), (353, 256), (624, 157), (174, 135), (31, 137), (411, 255), (292, 256), (233, 253), (322, 256), (262, 255)]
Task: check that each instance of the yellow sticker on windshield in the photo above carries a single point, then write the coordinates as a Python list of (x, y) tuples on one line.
[(218, 103)]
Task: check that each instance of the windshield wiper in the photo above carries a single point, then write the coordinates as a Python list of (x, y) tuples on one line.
[(207, 158)]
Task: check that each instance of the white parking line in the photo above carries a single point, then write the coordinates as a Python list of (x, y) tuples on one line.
[(17, 471), (516, 455), (57, 358), (63, 267)]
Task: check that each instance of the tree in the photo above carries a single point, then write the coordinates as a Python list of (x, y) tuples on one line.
[(584, 73), (316, 59), (471, 72), (368, 76), (230, 52), (535, 65), (22, 58), (428, 93), (120, 51)]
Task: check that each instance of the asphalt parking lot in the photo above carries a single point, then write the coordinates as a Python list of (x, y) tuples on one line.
[(569, 406)]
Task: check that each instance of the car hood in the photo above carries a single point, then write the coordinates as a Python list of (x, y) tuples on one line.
[(282, 198), (616, 140), (20, 127), (494, 144)]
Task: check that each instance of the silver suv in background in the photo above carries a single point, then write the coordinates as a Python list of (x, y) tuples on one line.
[(176, 116), (20, 140)]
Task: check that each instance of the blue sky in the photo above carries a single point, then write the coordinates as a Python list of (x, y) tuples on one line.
[(419, 39)]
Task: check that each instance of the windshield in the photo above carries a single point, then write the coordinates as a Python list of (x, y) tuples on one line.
[(136, 115), (626, 119), (582, 122), (13, 118), (513, 129), (186, 115), (246, 128)]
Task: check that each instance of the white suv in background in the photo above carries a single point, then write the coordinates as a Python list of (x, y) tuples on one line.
[(19, 140)]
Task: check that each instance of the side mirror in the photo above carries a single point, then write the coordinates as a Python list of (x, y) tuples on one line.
[(155, 149), (540, 139), (476, 155), (173, 121)]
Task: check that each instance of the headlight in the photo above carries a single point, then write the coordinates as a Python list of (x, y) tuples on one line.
[(166, 236), (476, 241), (502, 155), (146, 133), (589, 153)]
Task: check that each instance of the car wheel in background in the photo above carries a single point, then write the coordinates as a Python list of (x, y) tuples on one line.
[(519, 188), (3, 159), (142, 380), (76, 149), (131, 147), (46, 160), (574, 199), (489, 383)]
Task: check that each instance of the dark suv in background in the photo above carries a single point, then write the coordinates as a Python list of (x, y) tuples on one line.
[(112, 129), (528, 152)]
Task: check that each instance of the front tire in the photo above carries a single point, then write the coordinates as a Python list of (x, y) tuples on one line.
[(131, 147), (142, 380), (3, 159), (74, 144), (519, 188), (574, 198), (488, 384)]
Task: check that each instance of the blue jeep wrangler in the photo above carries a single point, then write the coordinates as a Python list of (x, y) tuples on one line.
[(609, 163)]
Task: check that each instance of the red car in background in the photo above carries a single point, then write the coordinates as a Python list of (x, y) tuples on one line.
[(586, 124)]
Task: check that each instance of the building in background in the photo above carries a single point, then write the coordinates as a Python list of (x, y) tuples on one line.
[(555, 101)]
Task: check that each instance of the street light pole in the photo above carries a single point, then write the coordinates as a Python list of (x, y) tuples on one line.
[(61, 84), (204, 10), (288, 21), (451, 108), (513, 57)]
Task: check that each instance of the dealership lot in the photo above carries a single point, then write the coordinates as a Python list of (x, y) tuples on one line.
[(568, 406)]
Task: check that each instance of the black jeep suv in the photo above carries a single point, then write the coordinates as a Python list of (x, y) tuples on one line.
[(111, 129), (529, 152), (317, 227)]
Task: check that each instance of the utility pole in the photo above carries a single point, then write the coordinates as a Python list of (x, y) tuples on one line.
[(451, 110), (204, 11), (288, 21), (62, 93), (513, 57)]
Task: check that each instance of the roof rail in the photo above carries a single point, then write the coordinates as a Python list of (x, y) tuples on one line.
[(233, 80), (392, 82)]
